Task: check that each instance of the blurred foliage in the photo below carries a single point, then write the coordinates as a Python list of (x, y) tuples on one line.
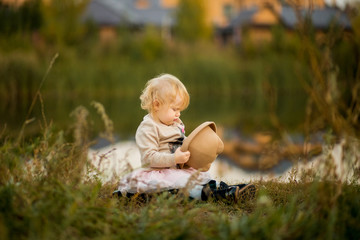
[(20, 19), (42, 192), (46, 193), (152, 46), (333, 88), (61, 24), (246, 81), (191, 20), (141, 46), (17, 87)]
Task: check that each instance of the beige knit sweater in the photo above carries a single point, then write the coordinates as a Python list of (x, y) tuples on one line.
[(154, 141)]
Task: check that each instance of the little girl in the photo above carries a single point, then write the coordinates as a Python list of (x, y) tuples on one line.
[(159, 137)]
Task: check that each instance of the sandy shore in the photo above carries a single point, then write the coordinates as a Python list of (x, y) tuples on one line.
[(117, 159)]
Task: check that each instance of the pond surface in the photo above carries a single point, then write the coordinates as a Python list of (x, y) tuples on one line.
[(246, 113)]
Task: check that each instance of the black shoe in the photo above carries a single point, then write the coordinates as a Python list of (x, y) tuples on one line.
[(224, 185), (246, 192), (230, 194), (143, 196), (117, 193)]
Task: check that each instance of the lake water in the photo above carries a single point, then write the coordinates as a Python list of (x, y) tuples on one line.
[(246, 113)]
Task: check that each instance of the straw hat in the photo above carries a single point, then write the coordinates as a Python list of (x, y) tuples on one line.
[(204, 146)]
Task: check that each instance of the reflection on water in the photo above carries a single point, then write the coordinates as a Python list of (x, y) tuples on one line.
[(247, 113)]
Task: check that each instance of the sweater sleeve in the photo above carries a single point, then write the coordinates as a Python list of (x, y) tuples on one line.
[(147, 140)]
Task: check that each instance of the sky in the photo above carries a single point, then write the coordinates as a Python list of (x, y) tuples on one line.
[(341, 3)]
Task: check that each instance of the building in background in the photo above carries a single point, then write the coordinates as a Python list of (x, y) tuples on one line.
[(257, 19), (230, 19), (136, 14)]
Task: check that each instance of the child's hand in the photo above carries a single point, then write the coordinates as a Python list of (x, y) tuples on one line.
[(181, 157)]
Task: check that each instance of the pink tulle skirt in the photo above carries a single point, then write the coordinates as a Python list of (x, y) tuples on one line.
[(145, 180)]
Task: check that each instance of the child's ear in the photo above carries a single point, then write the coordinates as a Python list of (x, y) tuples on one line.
[(156, 104)]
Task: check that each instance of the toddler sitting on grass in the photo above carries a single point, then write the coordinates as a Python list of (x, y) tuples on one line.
[(159, 138)]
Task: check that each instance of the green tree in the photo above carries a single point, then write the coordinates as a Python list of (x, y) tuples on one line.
[(191, 20), (19, 19), (62, 21)]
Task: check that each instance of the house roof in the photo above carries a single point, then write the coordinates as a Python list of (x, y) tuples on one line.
[(155, 14), (106, 12), (114, 12), (321, 18), (244, 17)]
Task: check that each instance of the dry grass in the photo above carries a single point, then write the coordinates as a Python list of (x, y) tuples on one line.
[(43, 195)]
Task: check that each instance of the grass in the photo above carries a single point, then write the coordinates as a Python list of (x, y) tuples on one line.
[(43, 191), (234, 82), (44, 196)]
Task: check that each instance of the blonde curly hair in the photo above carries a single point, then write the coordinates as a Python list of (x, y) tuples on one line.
[(164, 88)]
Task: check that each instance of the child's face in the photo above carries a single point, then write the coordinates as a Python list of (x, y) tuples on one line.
[(168, 113)]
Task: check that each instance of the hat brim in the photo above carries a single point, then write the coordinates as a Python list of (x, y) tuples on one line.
[(187, 141)]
